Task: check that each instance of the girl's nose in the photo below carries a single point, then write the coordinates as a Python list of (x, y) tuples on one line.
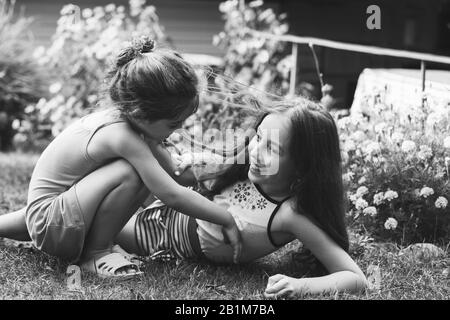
[(260, 149)]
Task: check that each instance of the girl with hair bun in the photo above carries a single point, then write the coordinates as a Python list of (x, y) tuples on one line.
[(93, 176)]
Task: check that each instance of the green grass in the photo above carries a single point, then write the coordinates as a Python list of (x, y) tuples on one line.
[(26, 273)]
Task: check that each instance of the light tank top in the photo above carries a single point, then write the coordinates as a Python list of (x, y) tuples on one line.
[(253, 212)]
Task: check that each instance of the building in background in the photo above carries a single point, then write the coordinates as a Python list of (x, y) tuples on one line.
[(417, 25)]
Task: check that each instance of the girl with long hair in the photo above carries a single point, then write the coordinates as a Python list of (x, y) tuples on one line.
[(290, 187)]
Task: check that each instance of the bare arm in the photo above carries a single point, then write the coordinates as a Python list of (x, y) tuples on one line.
[(185, 176), (128, 145), (345, 275), (125, 143)]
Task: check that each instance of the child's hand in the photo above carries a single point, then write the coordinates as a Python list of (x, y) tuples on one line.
[(232, 236), (182, 162), (280, 285)]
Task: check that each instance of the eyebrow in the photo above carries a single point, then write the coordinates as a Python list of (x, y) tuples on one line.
[(270, 140)]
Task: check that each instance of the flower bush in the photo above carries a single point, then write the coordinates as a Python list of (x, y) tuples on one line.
[(397, 160), (77, 58), (249, 60), (21, 80)]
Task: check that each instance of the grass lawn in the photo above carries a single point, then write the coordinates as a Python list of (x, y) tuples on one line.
[(26, 273)]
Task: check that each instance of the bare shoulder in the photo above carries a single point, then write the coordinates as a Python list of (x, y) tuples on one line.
[(288, 215), (289, 220), (109, 141)]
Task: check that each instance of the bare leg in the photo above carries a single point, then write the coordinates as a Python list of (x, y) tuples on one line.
[(127, 238), (13, 226), (108, 198)]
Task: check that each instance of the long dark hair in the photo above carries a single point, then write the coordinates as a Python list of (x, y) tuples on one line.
[(317, 186)]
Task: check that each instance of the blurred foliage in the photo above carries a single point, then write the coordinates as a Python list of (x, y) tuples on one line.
[(22, 82), (253, 69), (250, 59), (77, 60)]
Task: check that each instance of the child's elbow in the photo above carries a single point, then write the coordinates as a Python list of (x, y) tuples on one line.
[(171, 199)]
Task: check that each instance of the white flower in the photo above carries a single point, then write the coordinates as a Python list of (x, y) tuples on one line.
[(371, 211), (441, 203), (256, 3), (15, 124), (29, 109), (434, 118), (362, 180), (87, 13), (227, 6), (362, 191), (390, 195), (373, 147), (408, 146), (262, 57), (447, 142), (343, 123), (390, 224), (55, 87), (359, 136), (378, 198), (425, 152), (380, 127), (361, 204), (110, 7), (348, 176), (349, 145), (426, 192), (352, 198), (397, 137)]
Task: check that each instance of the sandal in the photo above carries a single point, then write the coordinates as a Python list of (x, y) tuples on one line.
[(107, 266), (133, 258)]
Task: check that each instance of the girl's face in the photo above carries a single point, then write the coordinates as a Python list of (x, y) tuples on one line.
[(270, 161), (161, 129)]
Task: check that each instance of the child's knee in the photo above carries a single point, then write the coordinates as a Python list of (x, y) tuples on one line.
[(127, 174)]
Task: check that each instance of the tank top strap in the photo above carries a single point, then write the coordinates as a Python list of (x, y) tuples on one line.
[(108, 120), (272, 216)]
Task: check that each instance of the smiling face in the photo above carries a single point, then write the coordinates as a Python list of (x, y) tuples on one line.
[(270, 159)]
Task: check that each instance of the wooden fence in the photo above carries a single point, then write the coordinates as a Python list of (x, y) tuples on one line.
[(296, 40)]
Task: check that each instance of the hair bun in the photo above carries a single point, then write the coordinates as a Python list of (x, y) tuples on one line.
[(143, 44), (137, 47)]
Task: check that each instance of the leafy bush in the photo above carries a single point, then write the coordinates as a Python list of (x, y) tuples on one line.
[(21, 82), (248, 61), (77, 60), (397, 162), (251, 60)]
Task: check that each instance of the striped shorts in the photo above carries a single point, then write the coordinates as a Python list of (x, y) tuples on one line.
[(162, 233)]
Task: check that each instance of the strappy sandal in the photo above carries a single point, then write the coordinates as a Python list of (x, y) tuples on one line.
[(107, 266), (133, 258)]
